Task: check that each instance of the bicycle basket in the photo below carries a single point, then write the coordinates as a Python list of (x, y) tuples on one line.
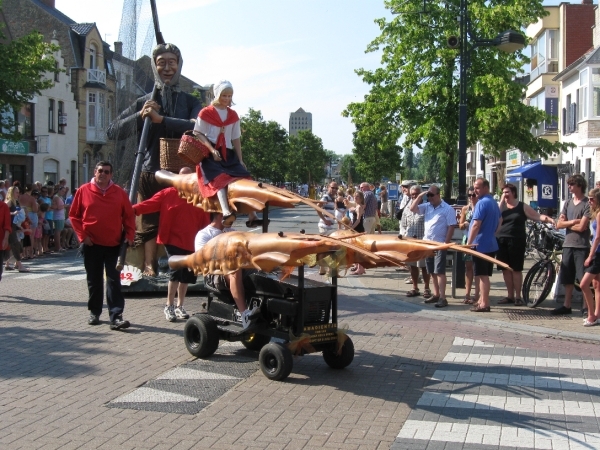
[(551, 240)]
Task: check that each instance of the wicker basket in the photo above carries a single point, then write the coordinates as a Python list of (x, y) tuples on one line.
[(169, 159), (192, 149)]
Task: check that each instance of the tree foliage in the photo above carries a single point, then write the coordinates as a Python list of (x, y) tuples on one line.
[(271, 154), (26, 63), (265, 146), (307, 159), (414, 95)]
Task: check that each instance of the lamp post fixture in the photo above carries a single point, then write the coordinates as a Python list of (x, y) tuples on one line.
[(508, 41)]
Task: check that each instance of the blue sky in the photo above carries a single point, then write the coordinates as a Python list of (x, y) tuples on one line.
[(280, 55)]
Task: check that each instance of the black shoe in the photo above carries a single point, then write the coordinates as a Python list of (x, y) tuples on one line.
[(560, 311), (119, 324), (256, 223), (94, 320)]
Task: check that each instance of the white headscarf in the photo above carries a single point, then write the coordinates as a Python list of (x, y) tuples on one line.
[(220, 87)]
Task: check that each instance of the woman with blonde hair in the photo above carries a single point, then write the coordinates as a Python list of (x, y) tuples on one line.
[(592, 265), (221, 126), (12, 200), (357, 224)]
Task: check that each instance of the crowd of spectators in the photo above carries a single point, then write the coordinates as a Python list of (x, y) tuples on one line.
[(38, 220)]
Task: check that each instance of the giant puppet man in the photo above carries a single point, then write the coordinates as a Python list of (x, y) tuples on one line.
[(172, 112)]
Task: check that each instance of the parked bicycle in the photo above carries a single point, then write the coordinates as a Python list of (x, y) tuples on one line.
[(533, 245), (540, 278)]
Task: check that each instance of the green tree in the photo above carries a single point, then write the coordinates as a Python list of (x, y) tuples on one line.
[(26, 63), (413, 98), (306, 158), (265, 146), (348, 172)]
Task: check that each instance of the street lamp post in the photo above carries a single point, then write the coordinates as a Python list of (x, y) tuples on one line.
[(508, 41)]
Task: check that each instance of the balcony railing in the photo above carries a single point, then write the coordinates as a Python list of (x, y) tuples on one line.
[(96, 136), (544, 67), (96, 76)]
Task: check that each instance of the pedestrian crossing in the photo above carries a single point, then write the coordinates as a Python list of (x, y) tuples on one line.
[(62, 268), (189, 388), (491, 396)]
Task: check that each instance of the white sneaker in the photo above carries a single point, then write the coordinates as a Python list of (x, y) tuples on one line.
[(170, 313), (250, 316), (181, 313)]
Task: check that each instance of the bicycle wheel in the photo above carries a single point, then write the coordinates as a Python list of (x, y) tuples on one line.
[(538, 283)]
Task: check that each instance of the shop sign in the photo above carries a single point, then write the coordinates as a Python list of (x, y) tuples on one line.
[(513, 158), (14, 148)]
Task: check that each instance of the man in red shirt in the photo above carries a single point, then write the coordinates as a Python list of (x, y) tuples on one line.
[(177, 227), (100, 214)]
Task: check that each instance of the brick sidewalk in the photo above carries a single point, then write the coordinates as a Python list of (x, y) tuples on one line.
[(391, 282), (57, 374)]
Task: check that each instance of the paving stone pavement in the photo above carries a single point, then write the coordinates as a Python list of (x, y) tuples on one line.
[(60, 378)]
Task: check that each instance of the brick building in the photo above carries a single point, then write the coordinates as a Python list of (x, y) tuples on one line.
[(90, 78)]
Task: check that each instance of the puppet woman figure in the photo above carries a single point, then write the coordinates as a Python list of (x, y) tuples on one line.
[(221, 126)]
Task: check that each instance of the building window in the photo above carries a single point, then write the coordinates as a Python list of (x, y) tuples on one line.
[(73, 175), (51, 171), (596, 95), (100, 111), (85, 167), (93, 53), (51, 115), (62, 118), (56, 74), (92, 109), (24, 120), (544, 54), (583, 94)]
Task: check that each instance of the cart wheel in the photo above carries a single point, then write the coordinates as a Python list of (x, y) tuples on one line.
[(255, 341), (275, 361), (342, 360), (201, 336)]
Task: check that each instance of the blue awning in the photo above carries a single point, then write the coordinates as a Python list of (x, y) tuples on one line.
[(546, 178)]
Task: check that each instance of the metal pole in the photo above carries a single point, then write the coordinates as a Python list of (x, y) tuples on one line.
[(458, 272), (462, 108)]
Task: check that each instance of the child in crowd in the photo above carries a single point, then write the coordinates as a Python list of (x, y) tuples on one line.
[(340, 208), (37, 235)]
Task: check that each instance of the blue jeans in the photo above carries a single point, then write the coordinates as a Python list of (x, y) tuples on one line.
[(97, 259)]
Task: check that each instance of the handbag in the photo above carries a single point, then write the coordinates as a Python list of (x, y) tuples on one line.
[(399, 214)]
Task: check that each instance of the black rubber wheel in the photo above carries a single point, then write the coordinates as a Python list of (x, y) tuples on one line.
[(275, 361), (255, 341), (342, 360), (538, 283), (201, 336)]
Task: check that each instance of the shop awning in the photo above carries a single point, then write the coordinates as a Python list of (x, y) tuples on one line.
[(546, 180), (536, 170)]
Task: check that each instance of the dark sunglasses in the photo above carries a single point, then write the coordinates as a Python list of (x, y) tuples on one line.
[(105, 171), (472, 195), (591, 198), (430, 194)]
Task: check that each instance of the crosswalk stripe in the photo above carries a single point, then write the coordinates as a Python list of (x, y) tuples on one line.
[(77, 277), (546, 382), (514, 404), (519, 437), (33, 276), (528, 361), (149, 395)]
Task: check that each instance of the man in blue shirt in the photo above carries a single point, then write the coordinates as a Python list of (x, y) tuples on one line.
[(482, 234)]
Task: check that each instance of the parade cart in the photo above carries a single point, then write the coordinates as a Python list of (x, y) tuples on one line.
[(298, 311)]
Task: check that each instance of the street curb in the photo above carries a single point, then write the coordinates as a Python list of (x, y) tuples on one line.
[(399, 305)]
